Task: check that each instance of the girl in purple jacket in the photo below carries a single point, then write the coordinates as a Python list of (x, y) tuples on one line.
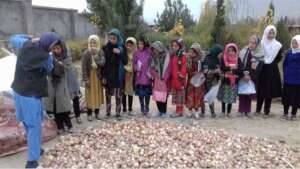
[(141, 66)]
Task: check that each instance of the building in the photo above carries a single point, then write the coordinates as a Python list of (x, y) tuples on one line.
[(19, 16), (255, 9)]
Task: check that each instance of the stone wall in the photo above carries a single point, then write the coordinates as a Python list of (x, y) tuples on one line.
[(19, 16)]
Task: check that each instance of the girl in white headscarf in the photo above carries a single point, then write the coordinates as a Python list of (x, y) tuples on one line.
[(291, 86), (269, 82)]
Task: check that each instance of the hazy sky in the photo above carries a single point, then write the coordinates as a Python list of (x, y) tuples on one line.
[(150, 9)]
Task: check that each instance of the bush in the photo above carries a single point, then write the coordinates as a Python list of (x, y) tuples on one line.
[(77, 48)]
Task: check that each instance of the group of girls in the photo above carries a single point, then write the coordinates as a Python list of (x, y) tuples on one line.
[(134, 67)]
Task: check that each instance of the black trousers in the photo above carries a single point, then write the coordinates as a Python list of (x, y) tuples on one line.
[(229, 106), (76, 106), (286, 110), (162, 107), (144, 102), (130, 99), (90, 112), (62, 119), (267, 106)]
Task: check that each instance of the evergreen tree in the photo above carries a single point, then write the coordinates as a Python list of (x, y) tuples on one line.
[(126, 15), (283, 35), (219, 23), (174, 12)]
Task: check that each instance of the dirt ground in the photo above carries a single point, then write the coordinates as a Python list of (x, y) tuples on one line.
[(273, 128)]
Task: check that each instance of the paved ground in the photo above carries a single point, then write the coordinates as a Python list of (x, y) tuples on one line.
[(273, 128)]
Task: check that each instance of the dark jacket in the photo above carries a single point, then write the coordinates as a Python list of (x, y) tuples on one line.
[(87, 65), (291, 68), (113, 72), (30, 76)]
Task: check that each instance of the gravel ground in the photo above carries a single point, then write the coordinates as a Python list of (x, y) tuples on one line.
[(273, 128)]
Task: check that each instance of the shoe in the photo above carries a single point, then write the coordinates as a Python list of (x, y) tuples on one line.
[(97, 117), (213, 115), (118, 117), (284, 117), (60, 131), (130, 113), (70, 131), (78, 120), (107, 115), (240, 114), (32, 164), (293, 117), (176, 115), (257, 113), (42, 152), (197, 115), (190, 114), (266, 116), (247, 115), (90, 118), (228, 115), (202, 115), (146, 114)]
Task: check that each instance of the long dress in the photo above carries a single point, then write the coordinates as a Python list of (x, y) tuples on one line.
[(228, 92), (269, 81), (195, 95), (94, 93)]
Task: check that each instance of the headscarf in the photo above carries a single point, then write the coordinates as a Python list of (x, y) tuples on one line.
[(197, 48), (133, 40), (47, 40), (130, 54), (97, 40), (271, 47), (212, 59), (180, 43), (297, 38), (257, 53), (231, 60), (161, 62), (98, 47), (117, 33)]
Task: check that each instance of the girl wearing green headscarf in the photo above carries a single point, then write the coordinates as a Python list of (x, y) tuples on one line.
[(212, 70), (114, 71)]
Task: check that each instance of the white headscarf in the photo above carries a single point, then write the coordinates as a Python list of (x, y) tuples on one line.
[(271, 47), (297, 50)]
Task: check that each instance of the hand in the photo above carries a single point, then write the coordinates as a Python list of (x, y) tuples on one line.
[(232, 67), (253, 66), (87, 84), (116, 51), (104, 81), (247, 78)]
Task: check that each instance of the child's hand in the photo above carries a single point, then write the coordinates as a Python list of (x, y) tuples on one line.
[(104, 81), (247, 78), (87, 84), (116, 51), (254, 66)]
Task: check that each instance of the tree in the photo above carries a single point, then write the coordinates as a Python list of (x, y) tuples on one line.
[(174, 12), (206, 23), (219, 23), (126, 15), (283, 35), (266, 20)]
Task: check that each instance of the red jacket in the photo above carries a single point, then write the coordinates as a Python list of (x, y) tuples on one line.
[(179, 72)]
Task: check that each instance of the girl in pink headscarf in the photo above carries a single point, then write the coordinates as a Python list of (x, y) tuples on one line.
[(230, 70)]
